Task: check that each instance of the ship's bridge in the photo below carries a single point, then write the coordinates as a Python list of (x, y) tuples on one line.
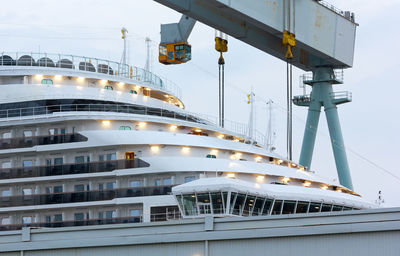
[(224, 196)]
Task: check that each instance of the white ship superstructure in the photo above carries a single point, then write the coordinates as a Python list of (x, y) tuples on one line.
[(86, 141)]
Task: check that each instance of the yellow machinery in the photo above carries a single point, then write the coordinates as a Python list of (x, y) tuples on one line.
[(175, 53)]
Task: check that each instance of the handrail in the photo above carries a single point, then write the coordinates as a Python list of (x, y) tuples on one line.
[(232, 126), (89, 64)]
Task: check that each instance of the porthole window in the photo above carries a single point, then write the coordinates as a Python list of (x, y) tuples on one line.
[(211, 156), (47, 81), (108, 87), (133, 92), (125, 128)]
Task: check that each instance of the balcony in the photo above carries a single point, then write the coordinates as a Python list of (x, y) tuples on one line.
[(84, 196), (68, 169), (26, 142), (73, 223)]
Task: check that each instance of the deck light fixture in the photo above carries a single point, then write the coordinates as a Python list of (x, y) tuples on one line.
[(142, 124), (285, 180), (106, 123), (307, 184), (185, 150), (155, 148)]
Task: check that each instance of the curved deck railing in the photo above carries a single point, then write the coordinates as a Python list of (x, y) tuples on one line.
[(235, 127), (82, 63)]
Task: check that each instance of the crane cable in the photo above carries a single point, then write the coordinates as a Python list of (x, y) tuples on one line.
[(221, 46)]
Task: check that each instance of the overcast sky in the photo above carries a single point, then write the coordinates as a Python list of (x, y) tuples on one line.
[(370, 124)]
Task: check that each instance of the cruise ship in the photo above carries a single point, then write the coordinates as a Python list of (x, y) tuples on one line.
[(87, 141)]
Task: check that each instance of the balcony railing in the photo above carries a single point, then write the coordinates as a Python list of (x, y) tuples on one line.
[(73, 223), (67, 169), (232, 126), (88, 64), (26, 142), (84, 196)]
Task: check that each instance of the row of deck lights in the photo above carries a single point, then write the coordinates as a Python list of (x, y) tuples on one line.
[(105, 82), (285, 180)]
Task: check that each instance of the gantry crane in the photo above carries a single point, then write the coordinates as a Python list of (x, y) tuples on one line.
[(309, 34)]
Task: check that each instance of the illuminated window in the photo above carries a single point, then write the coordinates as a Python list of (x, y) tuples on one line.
[(47, 81), (108, 87)]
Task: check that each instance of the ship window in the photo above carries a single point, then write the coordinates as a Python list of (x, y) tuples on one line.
[(189, 202), (7, 135), (58, 217), (134, 213), (27, 133), (232, 202), (6, 192), (47, 81), (248, 206), (79, 188), (133, 92), (326, 208), (239, 203), (108, 87), (79, 159), (58, 189), (27, 219), (78, 216), (110, 185), (302, 207), (167, 181), (217, 203), (211, 156), (112, 156), (27, 191), (277, 207), (58, 161), (288, 207), (48, 219), (258, 206), (267, 206), (315, 207), (6, 221), (126, 128), (157, 182), (109, 214), (346, 208), (27, 163), (189, 179), (337, 208), (135, 183), (6, 165)]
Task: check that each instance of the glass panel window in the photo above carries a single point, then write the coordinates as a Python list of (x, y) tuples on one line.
[(345, 208), (232, 202), (288, 207), (5, 221), (167, 181), (337, 208), (302, 207), (27, 163), (157, 182), (6, 193), (189, 202), (27, 191), (79, 188), (101, 186), (112, 156), (326, 208), (101, 157), (135, 183), (110, 185), (217, 203), (101, 215), (248, 206), (109, 214), (239, 203), (257, 210), (277, 207), (79, 159), (58, 161), (58, 189), (79, 216), (27, 133), (27, 219), (189, 179), (134, 213), (58, 217), (7, 135), (47, 219), (6, 165), (315, 207)]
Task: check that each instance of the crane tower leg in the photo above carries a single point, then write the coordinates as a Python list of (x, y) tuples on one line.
[(322, 95)]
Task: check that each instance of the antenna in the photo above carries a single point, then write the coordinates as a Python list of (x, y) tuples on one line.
[(124, 32), (380, 199), (147, 67), (250, 101), (270, 129)]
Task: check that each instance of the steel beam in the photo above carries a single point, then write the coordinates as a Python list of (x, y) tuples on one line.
[(323, 36)]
